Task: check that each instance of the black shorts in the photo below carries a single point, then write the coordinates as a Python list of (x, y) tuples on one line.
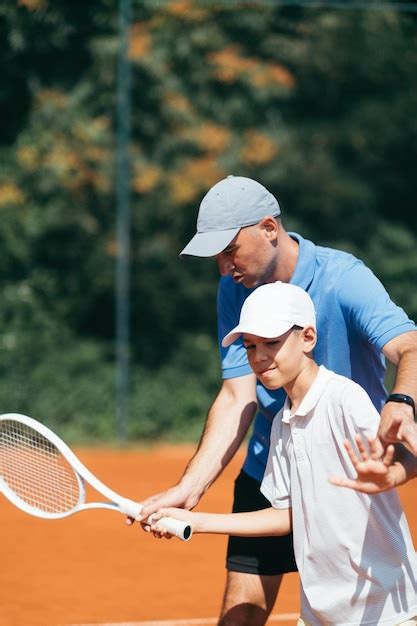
[(257, 555)]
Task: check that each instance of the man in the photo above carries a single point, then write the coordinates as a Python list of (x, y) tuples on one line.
[(239, 223)]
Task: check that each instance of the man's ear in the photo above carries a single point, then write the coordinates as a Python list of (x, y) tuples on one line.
[(269, 226)]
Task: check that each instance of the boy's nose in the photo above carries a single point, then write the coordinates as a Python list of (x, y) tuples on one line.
[(260, 355)]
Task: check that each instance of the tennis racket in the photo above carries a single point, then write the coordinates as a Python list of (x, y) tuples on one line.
[(43, 477)]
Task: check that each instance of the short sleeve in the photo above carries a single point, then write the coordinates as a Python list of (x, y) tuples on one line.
[(359, 412), (276, 481), (234, 361), (366, 303)]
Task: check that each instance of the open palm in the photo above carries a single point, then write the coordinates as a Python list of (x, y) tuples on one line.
[(374, 472)]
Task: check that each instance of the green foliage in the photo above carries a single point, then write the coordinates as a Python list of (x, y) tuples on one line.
[(319, 105), (172, 404)]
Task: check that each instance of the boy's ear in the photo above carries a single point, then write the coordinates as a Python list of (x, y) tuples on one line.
[(309, 338)]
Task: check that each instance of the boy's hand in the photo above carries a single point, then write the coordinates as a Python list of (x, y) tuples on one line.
[(179, 514), (375, 473)]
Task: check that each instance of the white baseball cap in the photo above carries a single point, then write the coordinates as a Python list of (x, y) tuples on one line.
[(271, 310), (231, 204)]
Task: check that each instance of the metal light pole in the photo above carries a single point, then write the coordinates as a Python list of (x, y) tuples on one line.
[(123, 222)]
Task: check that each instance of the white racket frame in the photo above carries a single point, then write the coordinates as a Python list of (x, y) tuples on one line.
[(180, 529)]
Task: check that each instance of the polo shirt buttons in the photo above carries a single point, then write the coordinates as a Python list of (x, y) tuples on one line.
[(299, 452)]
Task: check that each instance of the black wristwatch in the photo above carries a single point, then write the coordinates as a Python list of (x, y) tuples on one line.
[(403, 398)]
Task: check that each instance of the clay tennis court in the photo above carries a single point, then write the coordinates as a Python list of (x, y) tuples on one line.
[(92, 569)]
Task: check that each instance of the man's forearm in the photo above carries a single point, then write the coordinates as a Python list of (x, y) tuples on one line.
[(406, 375), (227, 423), (397, 418)]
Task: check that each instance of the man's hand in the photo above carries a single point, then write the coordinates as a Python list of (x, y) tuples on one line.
[(177, 496), (397, 419), (176, 513), (398, 426), (374, 473)]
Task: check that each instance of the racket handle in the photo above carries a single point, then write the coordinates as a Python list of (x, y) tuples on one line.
[(129, 507), (175, 527)]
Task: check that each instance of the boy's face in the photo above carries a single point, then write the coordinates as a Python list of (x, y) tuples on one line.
[(278, 361)]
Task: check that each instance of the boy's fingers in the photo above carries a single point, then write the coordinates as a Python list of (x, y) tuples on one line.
[(376, 447), (351, 453), (158, 532), (157, 516), (375, 453), (342, 482), (389, 455), (362, 448)]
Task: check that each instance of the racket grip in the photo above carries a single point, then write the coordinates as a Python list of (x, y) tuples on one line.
[(175, 527), (129, 507)]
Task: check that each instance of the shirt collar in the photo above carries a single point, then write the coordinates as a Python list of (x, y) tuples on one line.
[(306, 262), (311, 398)]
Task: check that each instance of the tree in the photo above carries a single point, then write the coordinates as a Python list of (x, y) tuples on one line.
[(311, 102)]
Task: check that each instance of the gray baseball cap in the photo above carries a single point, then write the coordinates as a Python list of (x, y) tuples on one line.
[(228, 206)]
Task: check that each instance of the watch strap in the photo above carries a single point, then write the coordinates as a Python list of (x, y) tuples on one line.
[(402, 398)]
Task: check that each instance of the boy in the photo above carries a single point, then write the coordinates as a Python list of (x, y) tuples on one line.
[(354, 552)]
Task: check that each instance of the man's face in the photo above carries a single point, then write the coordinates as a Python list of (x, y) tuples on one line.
[(250, 258), (276, 362)]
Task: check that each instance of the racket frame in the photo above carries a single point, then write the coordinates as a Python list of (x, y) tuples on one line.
[(116, 502)]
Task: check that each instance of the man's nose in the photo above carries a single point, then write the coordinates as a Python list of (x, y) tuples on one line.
[(225, 264)]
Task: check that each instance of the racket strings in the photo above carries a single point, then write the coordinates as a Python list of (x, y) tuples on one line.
[(35, 470)]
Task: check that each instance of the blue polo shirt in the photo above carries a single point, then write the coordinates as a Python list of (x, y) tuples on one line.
[(355, 319)]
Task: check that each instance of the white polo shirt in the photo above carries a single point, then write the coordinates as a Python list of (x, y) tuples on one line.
[(354, 552)]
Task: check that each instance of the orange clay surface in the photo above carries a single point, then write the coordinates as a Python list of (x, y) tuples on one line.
[(93, 569)]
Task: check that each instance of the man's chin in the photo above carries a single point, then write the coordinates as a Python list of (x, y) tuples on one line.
[(250, 283)]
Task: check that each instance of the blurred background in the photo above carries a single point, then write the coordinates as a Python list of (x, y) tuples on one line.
[(316, 100)]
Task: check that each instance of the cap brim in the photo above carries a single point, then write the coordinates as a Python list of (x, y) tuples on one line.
[(270, 331), (209, 243)]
